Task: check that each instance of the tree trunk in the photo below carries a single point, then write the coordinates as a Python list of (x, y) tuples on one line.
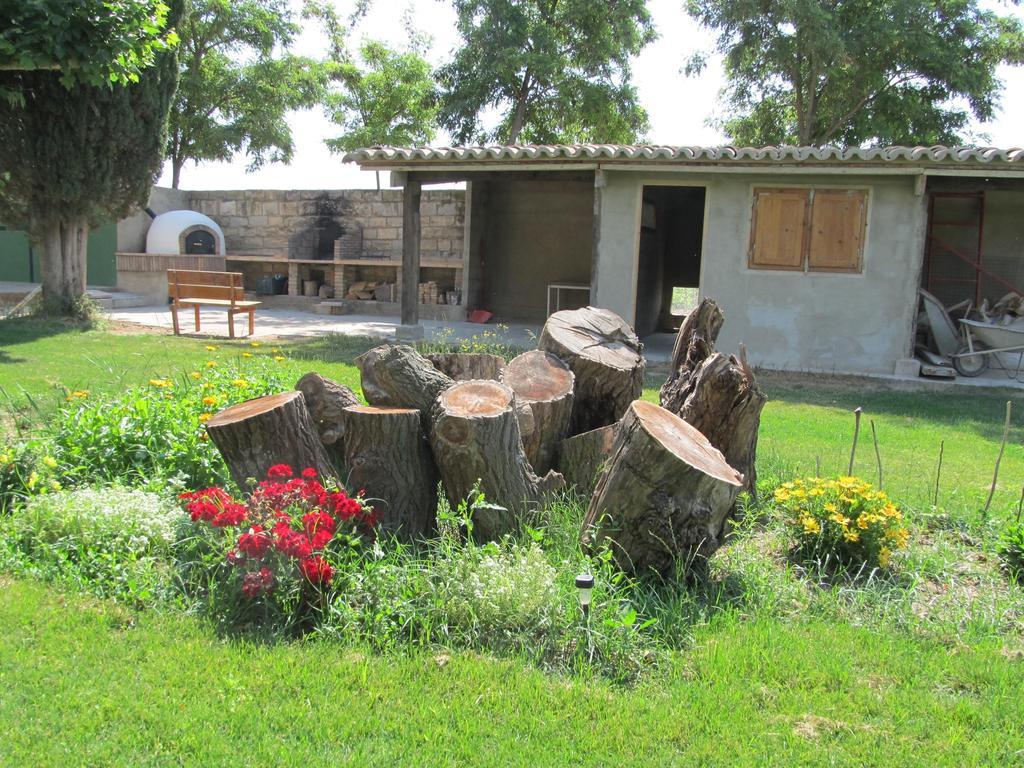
[(475, 437), (464, 366), (63, 252), (327, 401), (694, 343), (176, 166), (543, 384), (723, 401), (583, 457), (397, 376), (257, 434), (665, 495), (387, 455), (605, 354)]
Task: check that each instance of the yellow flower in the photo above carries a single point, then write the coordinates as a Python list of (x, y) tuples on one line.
[(254, 344), (32, 480), (240, 383), (160, 382), (50, 462), (196, 375), (883, 557), (811, 525), (276, 351), (842, 520), (851, 535), (204, 437), (863, 521), (80, 393), (830, 507), (205, 417), (247, 354), (211, 348), (279, 358), (781, 495), (4, 458), (55, 485), (209, 400), (211, 363), (207, 385), (898, 537)]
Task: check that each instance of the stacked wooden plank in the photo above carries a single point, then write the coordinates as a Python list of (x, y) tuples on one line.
[(430, 293)]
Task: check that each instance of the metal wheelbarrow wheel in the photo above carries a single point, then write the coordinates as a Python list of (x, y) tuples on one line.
[(970, 363)]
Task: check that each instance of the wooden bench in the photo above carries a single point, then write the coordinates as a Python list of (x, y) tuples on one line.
[(194, 289)]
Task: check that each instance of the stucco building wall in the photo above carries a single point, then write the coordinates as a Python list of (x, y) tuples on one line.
[(788, 320)]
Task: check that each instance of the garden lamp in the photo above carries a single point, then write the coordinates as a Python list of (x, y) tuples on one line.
[(585, 584)]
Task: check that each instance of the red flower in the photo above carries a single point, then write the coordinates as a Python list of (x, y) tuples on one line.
[(205, 504), (255, 543), (317, 521), (233, 514), (294, 544), (235, 557), (280, 470), (252, 583), (317, 570), (267, 576), (309, 473)]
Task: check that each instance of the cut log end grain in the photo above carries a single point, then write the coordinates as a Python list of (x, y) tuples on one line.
[(387, 456), (476, 398), (276, 429), (665, 494), (606, 357), (543, 386)]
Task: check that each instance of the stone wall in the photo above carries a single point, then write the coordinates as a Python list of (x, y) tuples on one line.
[(303, 224)]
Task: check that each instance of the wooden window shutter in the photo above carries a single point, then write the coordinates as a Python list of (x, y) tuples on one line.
[(838, 223), (778, 228)]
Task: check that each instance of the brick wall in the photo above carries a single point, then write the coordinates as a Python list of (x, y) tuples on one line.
[(301, 223)]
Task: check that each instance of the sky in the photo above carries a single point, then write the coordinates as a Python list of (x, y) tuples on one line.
[(679, 107)]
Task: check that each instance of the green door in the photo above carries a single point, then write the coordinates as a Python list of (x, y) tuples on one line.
[(20, 263)]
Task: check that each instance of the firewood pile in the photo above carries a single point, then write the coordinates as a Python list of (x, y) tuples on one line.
[(662, 479), (430, 293)]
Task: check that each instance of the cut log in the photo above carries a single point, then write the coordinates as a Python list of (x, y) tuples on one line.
[(387, 455), (543, 384), (694, 343), (276, 429), (326, 400), (582, 457), (464, 366), (475, 438), (665, 495), (722, 400), (397, 376), (605, 354)]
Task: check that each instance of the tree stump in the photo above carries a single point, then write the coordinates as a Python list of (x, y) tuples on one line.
[(397, 376), (722, 400), (276, 429), (464, 366), (665, 495), (694, 344), (387, 455), (605, 355), (475, 437), (582, 457), (326, 401), (543, 384)]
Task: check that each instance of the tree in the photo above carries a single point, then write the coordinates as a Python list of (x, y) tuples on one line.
[(236, 86), (391, 99), (557, 70), (75, 157), (813, 72), (89, 41)]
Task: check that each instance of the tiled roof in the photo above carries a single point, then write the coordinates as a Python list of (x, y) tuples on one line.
[(674, 154)]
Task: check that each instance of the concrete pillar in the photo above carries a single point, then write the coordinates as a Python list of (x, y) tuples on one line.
[(411, 195)]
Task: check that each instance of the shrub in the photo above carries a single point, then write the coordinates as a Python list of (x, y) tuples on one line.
[(154, 433), (845, 519), (26, 470), (500, 591), (112, 542), (269, 562), (493, 341), (1011, 550)]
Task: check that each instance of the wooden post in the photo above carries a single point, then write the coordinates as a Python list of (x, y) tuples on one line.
[(411, 194)]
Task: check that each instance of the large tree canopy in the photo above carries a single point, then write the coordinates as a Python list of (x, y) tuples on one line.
[(388, 98), (86, 41), (72, 158), (857, 72), (555, 70), (238, 83)]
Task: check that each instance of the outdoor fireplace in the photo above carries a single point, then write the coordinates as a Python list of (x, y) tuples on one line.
[(185, 232)]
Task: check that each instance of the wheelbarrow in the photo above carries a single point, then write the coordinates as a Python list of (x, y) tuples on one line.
[(982, 340)]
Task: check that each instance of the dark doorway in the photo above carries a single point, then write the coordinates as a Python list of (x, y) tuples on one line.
[(200, 242), (668, 269)]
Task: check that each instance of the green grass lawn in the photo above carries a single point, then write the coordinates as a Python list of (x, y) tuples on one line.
[(89, 682), (85, 683)]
